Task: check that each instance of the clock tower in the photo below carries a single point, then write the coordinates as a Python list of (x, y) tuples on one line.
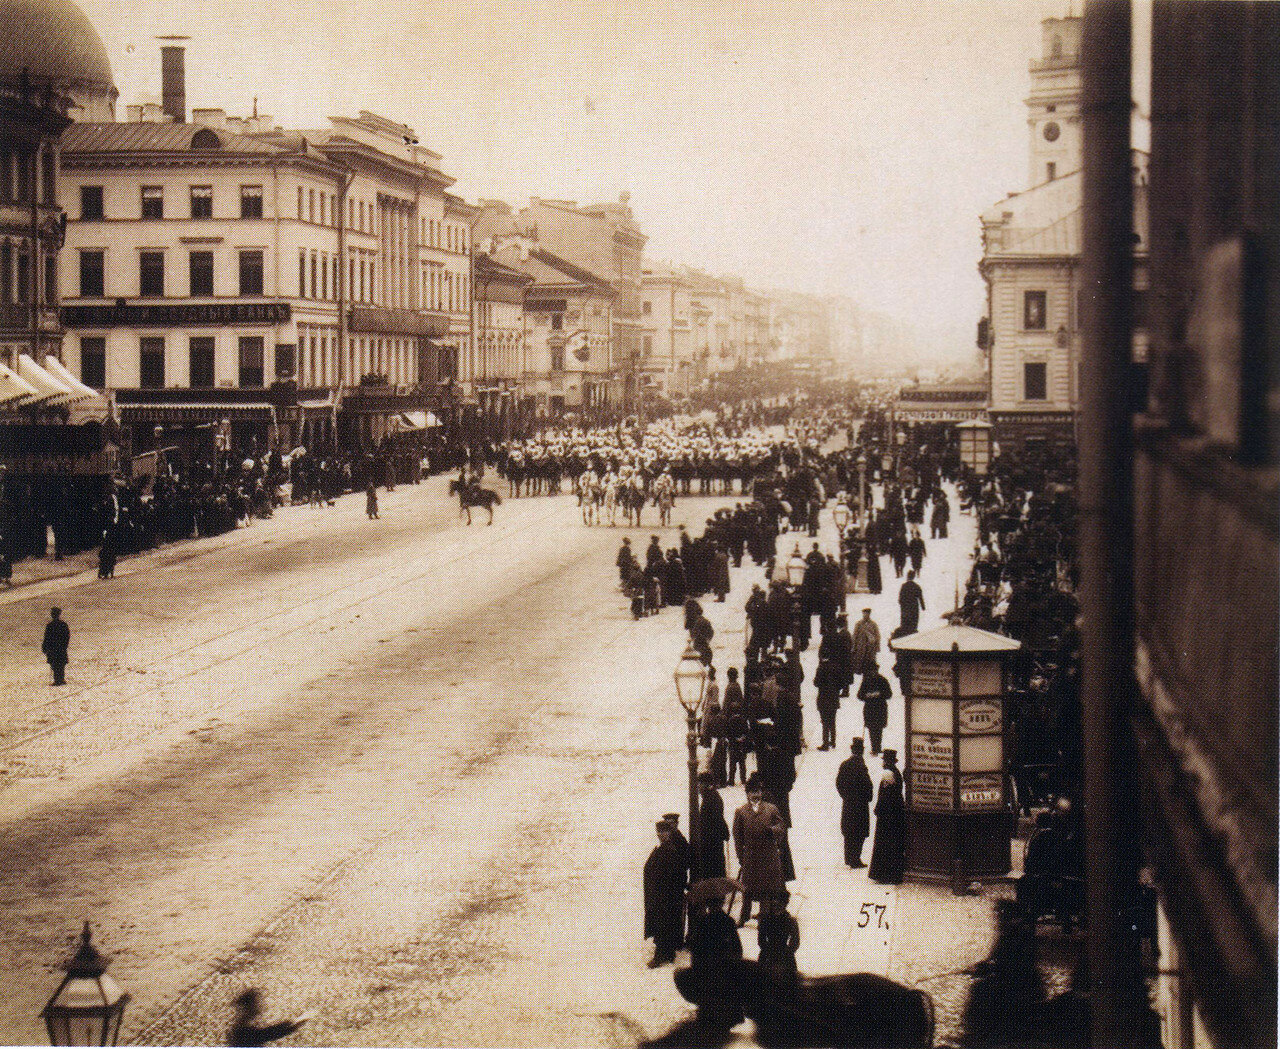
[(1053, 107)]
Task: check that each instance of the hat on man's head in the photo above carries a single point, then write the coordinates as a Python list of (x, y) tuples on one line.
[(671, 817), (754, 782), (662, 825), (890, 754), (856, 743)]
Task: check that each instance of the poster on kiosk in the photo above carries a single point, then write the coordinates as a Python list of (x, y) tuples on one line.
[(959, 819)]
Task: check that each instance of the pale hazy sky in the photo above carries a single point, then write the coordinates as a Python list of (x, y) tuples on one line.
[(835, 146)]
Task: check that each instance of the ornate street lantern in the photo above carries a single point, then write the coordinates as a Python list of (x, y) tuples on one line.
[(88, 1005), (840, 514), (691, 681), (795, 568)]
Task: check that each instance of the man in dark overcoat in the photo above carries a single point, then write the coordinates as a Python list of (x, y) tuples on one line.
[(57, 639), (665, 877), (911, 603), (713, 831), (875, 693), (758, 832), (853, 784)]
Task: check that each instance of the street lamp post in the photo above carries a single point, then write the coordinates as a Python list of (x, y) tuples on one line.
[(691, 685), (88, 1005), (862, 484)]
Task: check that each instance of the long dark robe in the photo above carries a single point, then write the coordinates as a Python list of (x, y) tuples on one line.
[(889, 849), (665, 875), (713, 832)]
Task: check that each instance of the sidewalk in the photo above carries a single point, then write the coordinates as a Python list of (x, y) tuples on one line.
[(37, 576), (917, 933)]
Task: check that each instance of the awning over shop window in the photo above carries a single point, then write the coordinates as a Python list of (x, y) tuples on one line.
[(14, 389), (417, 420), (185, 414)]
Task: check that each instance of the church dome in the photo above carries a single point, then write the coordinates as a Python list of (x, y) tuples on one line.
[(57, 46)]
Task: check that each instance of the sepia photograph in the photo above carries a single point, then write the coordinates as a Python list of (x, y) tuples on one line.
[(640, 524)]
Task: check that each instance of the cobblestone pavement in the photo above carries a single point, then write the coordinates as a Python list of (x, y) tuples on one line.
[(400, 772)]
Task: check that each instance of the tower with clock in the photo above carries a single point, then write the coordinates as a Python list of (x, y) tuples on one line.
[(1053, 107)]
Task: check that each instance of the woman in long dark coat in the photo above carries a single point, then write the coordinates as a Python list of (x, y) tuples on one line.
[(874, 583), (889, 848)]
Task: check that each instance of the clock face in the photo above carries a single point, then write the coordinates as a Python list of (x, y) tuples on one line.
[(1051, 131)]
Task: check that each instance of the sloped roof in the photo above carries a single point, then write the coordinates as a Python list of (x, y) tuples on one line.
[(153, 137), (965, 639)]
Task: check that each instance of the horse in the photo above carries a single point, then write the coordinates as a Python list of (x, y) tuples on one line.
[(632, 498), (470, 495)]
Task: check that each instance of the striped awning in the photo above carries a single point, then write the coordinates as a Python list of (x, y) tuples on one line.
[(14, 389), (184, 414)]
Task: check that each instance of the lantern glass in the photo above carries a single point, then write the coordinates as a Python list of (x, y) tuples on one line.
[(795, 570), (691, 680), (841, 515)]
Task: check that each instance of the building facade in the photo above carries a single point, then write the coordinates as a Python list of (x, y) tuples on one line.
[(294, 287), (1031, 262), (500, 358)]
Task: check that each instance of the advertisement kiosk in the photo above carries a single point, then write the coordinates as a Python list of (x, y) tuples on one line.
[(959, 819)]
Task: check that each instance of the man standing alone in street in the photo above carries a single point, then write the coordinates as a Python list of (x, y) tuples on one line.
[(665, 876), (57, 639), (853, 784), (866, 643), (911, 603)]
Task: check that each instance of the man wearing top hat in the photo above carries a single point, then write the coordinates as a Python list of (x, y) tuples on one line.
[(57, 639), (853, 784)]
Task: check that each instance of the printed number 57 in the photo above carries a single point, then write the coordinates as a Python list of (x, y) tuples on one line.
[(872, 910)]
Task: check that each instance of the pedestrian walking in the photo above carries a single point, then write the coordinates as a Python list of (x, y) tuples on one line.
[(57, 639), (915, 550), (371, 500), (853, 784), (246, 1029), (828, 680), (875, 693), (910, 603), (758, 830), (866, 642), (666, 872), (889, 848)]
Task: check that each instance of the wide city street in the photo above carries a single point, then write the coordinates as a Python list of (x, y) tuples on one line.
[(402, 773)]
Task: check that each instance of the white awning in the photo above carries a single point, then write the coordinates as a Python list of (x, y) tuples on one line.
[(417, 420), (47, 387), (59, 371), (13, 387)]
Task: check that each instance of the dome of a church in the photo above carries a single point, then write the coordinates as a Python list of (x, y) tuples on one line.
[(57, 46)]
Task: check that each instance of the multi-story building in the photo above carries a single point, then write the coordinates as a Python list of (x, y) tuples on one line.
[(1031, 261), (500, 357), (408, 273), (602, 240), (285, 284), (666, 361)]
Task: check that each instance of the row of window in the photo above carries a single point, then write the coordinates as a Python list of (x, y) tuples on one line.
[(152, 202), (151, 273), (18, 176), (200, 367), (318, 276)]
